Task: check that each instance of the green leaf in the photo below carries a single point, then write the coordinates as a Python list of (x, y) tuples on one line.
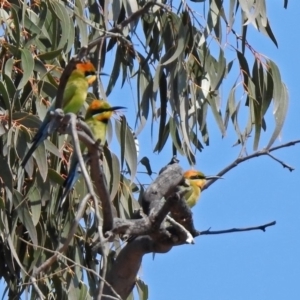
[(115, 72), (50, 55), (16, 29), (280, 113), (244, 67), (40, 156), (216, 112), (55, 177), (164, 138), (21, 142), (6, 101), (6, 176), (181, 41), (27, 66), (9, 64), (145, 96), (26, 119), (268, 92), (142, 288), (163, 106), (271, 34), (112, 171), (24, 216), (277, 83), (80, 20), (13, 252), (231, 14), (47, 88), (221, 68), (35, 204), (128, 149), (175, 136), (61, 13), (52, 148), (10, 87)]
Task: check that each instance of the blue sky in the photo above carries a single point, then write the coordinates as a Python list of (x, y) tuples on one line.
[(250, 265)]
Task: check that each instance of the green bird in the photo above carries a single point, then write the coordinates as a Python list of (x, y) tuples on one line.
[(196, 180), (97, 116), (74, 96)]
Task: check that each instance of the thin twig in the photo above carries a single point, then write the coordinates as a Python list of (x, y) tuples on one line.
[(103, 270), (95, 199), (39, 292), (281, 162), (110, 297), (127, 21), (70, 235), (77, 149), (260, 227), (74, 263), (255, 154)]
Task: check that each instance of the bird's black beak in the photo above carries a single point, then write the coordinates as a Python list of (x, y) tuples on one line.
[(213, 177), (113, 108), (102, 109)]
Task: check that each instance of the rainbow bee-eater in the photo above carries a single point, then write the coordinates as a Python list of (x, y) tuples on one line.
[(74, 97), (97, 116), (196, 181)]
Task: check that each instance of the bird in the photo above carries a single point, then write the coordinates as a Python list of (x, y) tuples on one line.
[(97, 116), (196, 180), (74, 96)]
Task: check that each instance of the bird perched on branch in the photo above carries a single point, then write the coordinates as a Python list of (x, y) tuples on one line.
[(196, 181), (74, 95), (97, 116)]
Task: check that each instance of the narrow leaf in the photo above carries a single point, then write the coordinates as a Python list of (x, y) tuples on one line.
[(280, 113), (27, 66)]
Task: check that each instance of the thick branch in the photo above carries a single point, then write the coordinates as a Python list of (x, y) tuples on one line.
[(101, 185), (122, 275), (163, 186), (148, 225)]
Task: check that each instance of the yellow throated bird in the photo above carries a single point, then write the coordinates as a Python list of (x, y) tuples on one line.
[(196, 181), (97, 116), (74, 96)]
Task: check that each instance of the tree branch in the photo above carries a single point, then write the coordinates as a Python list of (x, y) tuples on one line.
[(281, 162), (124, 23), (46, 265), (260, 227), (85, 136), (255, 154), (88, 270)]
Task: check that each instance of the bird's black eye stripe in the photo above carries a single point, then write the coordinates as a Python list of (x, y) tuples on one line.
[(88, 73), (197, 177), (101, 110)]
